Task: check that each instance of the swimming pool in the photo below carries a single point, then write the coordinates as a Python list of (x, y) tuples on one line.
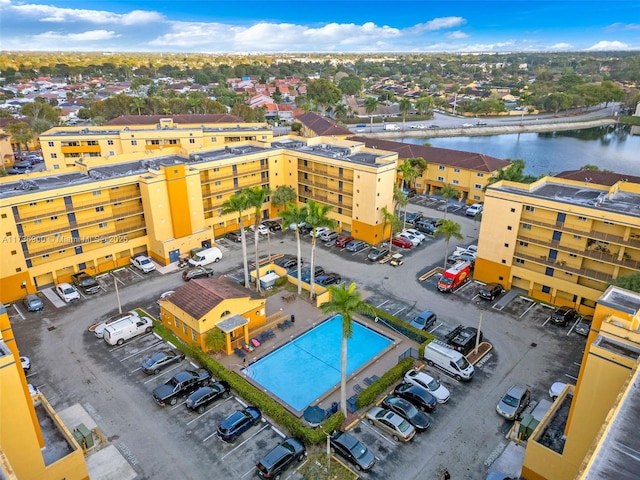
[(304, 369)]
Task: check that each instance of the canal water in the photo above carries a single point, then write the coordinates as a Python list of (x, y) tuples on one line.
[(609, 147)]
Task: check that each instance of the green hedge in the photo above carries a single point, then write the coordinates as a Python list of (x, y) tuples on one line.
[(369, 395), (404, 328)]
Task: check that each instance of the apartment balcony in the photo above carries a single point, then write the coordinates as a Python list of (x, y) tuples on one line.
[(330, 186), (76, 206), (346, 176), (216, 177), (633, 241), (75, 225), (562, 266)]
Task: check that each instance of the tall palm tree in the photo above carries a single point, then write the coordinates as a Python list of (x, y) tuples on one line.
[(345, 301), (448, 192), (256, 196), (409, 174), (282, 196), (399, 198), (296, 215), (370, 106), (448, 229), (317, 217), (137, 103), (405, 107), (424, 105), (393, 221), (237, 203)]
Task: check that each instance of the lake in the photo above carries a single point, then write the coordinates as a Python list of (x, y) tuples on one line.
[(610, 148)]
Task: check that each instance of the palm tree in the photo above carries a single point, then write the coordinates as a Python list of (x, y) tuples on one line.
[(393, 221), (405, 107), (399, 198), (283, 195), (345, 301), (256, 196), (137, 103), (409, 173), (448, 229), (237, 203), (424, 105), (340, 111), (370, 106), (447, 192), (295, 215), (317, 217)]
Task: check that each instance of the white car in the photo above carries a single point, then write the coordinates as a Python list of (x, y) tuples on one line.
[(407, 236), (320, 231), (143, 263), (67, 293), (419, 235), (473, 210), (556, 389), (33, 390), (99, 330), (424, 380), (262, 229), (165, 295), (26, 363)]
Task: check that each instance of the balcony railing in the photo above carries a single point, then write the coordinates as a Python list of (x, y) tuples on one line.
[(76, 207), (219, 178), (94, 221), (634, 238), (559, 265)]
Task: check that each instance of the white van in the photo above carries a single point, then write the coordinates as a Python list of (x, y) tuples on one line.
[(447, 359), (205, 257), (118, 332), (99, 330)]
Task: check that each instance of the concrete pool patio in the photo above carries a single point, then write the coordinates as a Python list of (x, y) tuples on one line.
[(280, 307)]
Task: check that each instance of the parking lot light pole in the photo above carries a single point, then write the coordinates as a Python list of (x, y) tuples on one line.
[(115, 282), (478, 335), (328, 451)]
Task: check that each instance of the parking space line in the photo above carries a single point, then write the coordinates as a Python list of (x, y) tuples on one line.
[(573, 326), (530, 307), (178, 405), (245, 441), (546, 321), (377, 432), (116, 279), (15, 307), (139, 351), (396, 313), (168, 370), (208, 437), (120, 347), (209, 410), (136, 273), (575, 379), (378, 306)]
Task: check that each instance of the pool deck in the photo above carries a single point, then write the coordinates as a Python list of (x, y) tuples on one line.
[(306, 317)]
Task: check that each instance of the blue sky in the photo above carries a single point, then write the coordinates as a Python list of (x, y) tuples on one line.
[(360, 26)]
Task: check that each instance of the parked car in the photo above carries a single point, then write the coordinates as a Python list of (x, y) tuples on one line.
[(32, 303), (419, 396), (199, 400), (490, 291), (26, 364), (305, 274), (196, 272), (161, 360), (33, 390), (424, 320), (343, 241), (262, 229), (415, 241), (556, 389), (564, 316), (67, 293), (352, 450), (473, 210), (355, 246), (272, 225), (514, 402), (288, 262), (426, 381), (401, 242), (330, 235), (234, 236), (413, 231), (584, 325), (426, 227), (408, 411), (98, 330), (411, 217), (182, 383), (463, 339), (377, 254), (328, 279), (319, 231), (143, 263), (237, 423), (280, 458), (19, 168), (392, 423), (164, 295), (87, 283)]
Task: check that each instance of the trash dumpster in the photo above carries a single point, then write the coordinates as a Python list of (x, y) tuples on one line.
[(83, 436), (527, 426)]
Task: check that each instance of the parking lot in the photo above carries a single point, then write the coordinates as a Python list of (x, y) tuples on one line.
[(72, 366)]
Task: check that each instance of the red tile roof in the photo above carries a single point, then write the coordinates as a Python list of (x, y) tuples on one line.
[(320, 125), (153, 119), (441, 156), (198, 297), (597, 177)]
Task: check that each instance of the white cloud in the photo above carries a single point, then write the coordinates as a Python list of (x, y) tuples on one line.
[(561, 46), (438, 24), (457, 35), (90, 36), (604, 45), (487, 47), (50, 14), (622, 26)]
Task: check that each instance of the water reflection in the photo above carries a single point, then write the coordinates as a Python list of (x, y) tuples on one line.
[(609, 147)]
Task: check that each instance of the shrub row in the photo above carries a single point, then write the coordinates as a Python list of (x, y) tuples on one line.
[(369, 395), (267, 405)]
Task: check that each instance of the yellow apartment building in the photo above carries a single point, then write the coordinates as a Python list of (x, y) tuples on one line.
[(65, 146), (31, 433), (98, 213), (591, 431), (467, 172), (561, 240)]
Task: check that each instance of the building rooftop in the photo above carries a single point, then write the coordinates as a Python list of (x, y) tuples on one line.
[(184, 119), (621, 299)]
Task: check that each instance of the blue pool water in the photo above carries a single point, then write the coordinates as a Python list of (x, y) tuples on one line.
[(307, 367)]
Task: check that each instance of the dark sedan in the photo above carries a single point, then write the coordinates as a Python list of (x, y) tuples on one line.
[(408, 411), (419, 396), (205, 396), (328, 279), (288, 262), (234, 236), (161, 360), (352, 450), (280, 458), (377, 254), (272, 225), (563, 316), (356, 246), (237, 423), (490, 291), (196, 272)]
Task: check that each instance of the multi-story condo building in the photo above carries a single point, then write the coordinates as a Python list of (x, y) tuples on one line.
[(560, 239), (591, 430), (98, 213), (34, 443), (467, 172)]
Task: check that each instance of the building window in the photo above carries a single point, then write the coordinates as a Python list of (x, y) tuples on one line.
[(134, 142), (573, 255), (46, 255), (442, 168), (456, 170), (441, 179), (96, 193), (506, 245), (54, 155), (13, 252), (109, 142), (480, 175), (37, 222), (513, 210), (99, 209), (529, 208), (216, 169), (103, 225), (477, 186), (577, 237), (4, 215), (568, 274), (509, 227), (54, 218), (217, 183), (582, 219), (455, 182), (526, 226), (185, 329), (523, 244), (49, 200), (177, 323), (194, 336), (33, 204), (504, 261), (192, 140), (476, 197), (546, 289), (61, 251), (549, 272), (608, 223), (51, 144), (520, 261)]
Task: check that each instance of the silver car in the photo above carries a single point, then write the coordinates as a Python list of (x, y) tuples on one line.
[(392, 423), (514, 402)]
